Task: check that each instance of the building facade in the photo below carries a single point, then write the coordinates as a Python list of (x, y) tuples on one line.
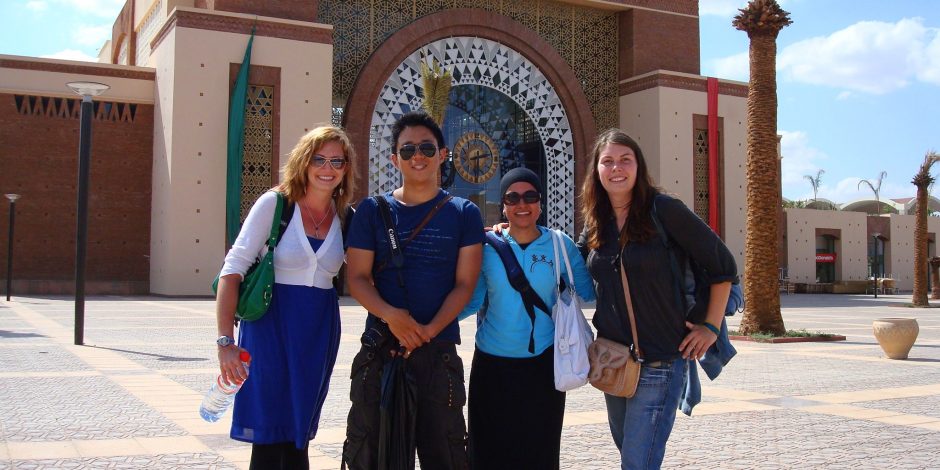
[(534, 81)]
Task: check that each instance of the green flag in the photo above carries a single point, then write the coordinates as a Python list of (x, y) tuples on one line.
[(236, 143)]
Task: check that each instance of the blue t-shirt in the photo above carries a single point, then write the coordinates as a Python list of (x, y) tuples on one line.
[(505, 329), (430, 263)]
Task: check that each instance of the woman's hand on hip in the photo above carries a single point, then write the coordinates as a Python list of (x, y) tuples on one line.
[(697, 341)]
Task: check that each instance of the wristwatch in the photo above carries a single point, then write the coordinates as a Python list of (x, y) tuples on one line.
[(225, 341)]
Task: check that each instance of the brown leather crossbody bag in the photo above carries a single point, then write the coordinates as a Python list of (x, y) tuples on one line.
[(614, 370)]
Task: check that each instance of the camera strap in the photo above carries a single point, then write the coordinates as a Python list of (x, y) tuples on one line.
[(391, 231)]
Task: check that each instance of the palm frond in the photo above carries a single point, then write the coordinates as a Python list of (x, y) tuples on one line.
[(436, 81)]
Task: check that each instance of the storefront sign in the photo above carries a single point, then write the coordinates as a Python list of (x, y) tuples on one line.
[(825, 257)]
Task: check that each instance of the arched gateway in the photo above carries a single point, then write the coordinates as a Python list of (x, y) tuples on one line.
[(503, 114)]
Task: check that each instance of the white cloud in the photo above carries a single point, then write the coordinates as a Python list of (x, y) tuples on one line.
[(71, 54), (799, 159), (869, 56), (103, 8), (848, 190), (37, 5), (844, 95), (930, 71), (87, 35), (735, 67)]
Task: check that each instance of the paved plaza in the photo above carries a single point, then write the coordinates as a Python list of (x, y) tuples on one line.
[(129, 397)]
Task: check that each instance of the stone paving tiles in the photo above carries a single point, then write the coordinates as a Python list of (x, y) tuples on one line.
[(18, 356), (164, 461), (75, 408), (129, 398)]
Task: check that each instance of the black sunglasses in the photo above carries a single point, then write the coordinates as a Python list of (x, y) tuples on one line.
[(407, 151), (513, 198), (320, 161)]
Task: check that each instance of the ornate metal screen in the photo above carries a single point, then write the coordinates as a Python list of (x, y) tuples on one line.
[(700, 173), (586, 38), (258, 149)]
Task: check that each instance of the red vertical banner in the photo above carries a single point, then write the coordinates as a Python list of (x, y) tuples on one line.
[(714, 192)]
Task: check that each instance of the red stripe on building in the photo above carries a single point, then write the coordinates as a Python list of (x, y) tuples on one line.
[(713, 190)]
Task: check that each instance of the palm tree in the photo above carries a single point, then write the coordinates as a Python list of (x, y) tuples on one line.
[(762, 20), (875, 188), (922, 180), (815, 183)]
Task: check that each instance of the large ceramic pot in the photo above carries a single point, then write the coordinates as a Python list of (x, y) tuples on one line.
[(896, 335)]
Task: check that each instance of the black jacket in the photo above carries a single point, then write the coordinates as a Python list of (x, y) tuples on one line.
[(659, 317)]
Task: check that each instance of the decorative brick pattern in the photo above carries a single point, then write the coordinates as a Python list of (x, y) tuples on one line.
[(234, 24), (470, 23), (680, 82), (38, 156), (78, 68)]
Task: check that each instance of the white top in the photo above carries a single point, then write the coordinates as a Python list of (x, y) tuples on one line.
[(295, 262)]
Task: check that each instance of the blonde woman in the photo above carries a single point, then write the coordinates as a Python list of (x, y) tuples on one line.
[(293, 346)]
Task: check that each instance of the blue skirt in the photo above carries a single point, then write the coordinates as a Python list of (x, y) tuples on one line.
[(293, 350)]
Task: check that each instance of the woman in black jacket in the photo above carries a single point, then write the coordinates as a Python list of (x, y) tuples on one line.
[(617, 208)]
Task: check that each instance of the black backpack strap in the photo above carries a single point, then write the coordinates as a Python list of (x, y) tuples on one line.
[(347, 222), (518, 281), (673, 262), (394, 243), (286, 215)]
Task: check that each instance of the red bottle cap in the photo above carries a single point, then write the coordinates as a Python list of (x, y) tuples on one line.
[(244, 356)]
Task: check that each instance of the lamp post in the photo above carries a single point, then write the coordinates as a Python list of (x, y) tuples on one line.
[(875, 264), (12, 198), (87, 90)]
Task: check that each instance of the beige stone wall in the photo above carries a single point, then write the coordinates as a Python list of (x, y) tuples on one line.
[(48, 77), (187, 235), (851, 247), (661, 121), (899, 250)]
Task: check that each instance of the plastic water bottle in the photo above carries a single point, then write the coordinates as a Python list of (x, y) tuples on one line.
[(221, 395)]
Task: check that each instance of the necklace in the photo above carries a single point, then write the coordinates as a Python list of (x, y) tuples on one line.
[(316, 225)]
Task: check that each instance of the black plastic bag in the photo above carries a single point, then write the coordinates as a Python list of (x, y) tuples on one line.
[(397, 415)]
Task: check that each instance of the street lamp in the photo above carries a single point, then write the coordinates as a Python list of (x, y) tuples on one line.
[(12, 198), (87, 90), (874, 263)]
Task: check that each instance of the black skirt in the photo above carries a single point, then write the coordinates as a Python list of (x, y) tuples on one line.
[(514, 412)]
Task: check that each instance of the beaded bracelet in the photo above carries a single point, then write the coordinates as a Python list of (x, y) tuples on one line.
[(712, 328)]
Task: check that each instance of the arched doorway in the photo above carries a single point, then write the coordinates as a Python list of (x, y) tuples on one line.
[(502, 106), (489, 134)]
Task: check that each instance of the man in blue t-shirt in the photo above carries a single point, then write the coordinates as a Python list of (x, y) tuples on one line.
[(414, 307)]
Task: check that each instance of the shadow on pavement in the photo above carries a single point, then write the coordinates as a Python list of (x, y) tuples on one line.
[(160, 357), (13, 334)]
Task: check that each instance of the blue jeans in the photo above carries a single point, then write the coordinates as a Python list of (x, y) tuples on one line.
[(641, 425)]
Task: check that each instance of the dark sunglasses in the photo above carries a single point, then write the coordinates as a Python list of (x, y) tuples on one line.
[(407, 151), (320, 161), (513, 198)]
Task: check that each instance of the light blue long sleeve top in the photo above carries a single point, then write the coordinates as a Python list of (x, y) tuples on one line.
[(504, 330)]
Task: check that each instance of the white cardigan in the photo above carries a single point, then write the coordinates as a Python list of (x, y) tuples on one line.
[(295, 262)]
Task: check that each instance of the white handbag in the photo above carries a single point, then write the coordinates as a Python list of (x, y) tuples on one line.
[(573, 334)]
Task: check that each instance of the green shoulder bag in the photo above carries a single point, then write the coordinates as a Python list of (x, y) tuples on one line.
[(256, 290)]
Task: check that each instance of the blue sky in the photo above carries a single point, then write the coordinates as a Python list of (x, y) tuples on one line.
[(858, 85), (858, 80)]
